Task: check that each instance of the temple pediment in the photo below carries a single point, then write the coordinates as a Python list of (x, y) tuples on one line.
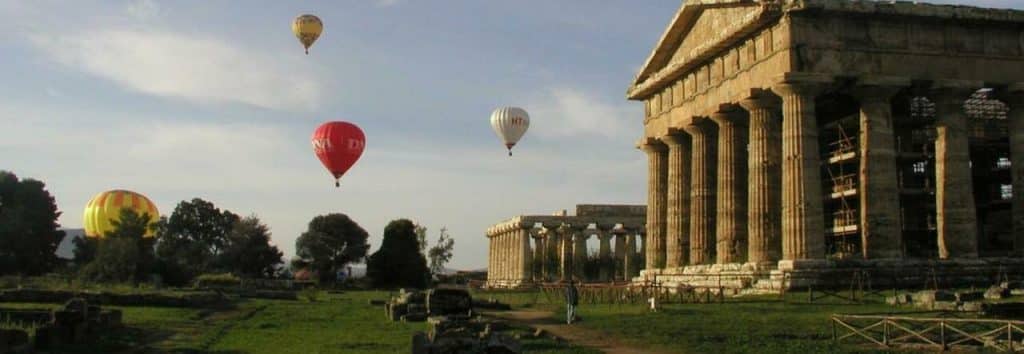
[(700, 28)]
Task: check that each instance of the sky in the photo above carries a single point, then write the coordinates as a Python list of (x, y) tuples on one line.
[(216, 100)]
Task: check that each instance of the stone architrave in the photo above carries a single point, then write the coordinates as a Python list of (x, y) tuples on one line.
[(1013, 95), (677, 238), (955, 212), (657, 176), (731, 211), (702, 190), (803, 224), (764, 168), (880, 229)]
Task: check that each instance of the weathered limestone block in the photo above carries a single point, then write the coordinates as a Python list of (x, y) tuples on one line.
[(996, 293)]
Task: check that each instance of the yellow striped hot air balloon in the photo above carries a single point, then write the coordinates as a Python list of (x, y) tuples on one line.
[(107, 206), (307, 29)]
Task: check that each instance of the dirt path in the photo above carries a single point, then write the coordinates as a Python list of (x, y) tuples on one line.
[(574, 334)]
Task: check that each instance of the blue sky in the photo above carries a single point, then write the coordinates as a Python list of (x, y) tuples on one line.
[(216, 100)]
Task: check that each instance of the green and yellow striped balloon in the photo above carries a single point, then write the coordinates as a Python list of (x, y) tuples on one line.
[(107, 206)]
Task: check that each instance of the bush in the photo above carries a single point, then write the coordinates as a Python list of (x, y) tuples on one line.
[(222, 280)]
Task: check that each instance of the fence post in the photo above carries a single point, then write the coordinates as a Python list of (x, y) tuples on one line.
[(885, 331), (1009, 336), (942, 334), (835, 338)]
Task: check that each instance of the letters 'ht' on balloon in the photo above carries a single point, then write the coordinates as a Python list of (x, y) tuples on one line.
[(307, 29), (106, 206), (510, 123), (338, 145)]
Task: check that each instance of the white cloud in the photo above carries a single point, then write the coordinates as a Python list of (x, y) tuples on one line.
[(570, 112), (175, 65), (386, 3)]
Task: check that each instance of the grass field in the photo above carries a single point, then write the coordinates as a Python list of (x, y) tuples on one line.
[(746, 325), (338, 323)]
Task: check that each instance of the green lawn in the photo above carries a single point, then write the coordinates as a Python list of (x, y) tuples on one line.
[(337, 323), (744, 325)]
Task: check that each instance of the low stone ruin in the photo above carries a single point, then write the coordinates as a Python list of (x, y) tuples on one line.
[(414, 305), (74, 322), (182, 299), (968, 301), (463, 335)]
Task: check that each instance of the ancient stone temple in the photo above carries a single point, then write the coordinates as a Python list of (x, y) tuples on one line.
[(790, 139), (529, 249)]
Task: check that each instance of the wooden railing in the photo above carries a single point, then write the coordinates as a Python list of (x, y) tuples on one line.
[(932, 333)]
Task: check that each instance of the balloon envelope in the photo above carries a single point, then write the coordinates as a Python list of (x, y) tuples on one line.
[(338, 145), (510, 123), (107, 206), (307, 29)]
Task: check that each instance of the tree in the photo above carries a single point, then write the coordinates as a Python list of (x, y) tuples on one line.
[(421, 237), (29, 233), (124, 254), (441, 253), (192, 239), (248, 251), (85, 250), (330, 243), (398, 262)]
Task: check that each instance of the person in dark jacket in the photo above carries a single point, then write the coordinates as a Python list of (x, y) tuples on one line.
[(572, 298)]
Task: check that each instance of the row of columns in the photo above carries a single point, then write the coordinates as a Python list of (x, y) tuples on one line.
[(511, 258), (744, 185)]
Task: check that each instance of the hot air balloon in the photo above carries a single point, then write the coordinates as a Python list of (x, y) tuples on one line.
[(307, 29), (338, 145), (510, 123), (107, 206)]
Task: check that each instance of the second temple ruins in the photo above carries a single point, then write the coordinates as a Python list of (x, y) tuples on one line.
[(790, 140)]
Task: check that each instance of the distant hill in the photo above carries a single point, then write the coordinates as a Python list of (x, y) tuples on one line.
[(66, 248)]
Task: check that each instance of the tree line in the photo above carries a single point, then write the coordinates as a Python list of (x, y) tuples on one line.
[(200, 238)]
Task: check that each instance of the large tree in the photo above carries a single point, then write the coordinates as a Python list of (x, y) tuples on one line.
[(193, 237), (248, 252), (123, 254), (398, 262), (29, 233), (330, 243)]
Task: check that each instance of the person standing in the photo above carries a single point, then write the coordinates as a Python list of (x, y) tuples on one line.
[(571, 300)]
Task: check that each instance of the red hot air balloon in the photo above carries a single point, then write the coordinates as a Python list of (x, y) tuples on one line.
[(338, 145)]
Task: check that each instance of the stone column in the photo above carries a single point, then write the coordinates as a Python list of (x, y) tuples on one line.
[(731, 204), (605, 252), (492, 270), (554, 240), (677, 238), (764, 168), (537, 268), (620, 254), (657, 175), (628, 253), (502, 256), (527, 255), (702, 190), (565, 254), (1014, 97), (880, 230), (803, 225), (955, 212), (579, 254)]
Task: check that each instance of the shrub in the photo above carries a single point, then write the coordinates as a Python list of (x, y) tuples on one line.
[(310, 294), (222, 280)]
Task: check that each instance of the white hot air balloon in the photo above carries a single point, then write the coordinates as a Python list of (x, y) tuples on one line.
[(510, 123)]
